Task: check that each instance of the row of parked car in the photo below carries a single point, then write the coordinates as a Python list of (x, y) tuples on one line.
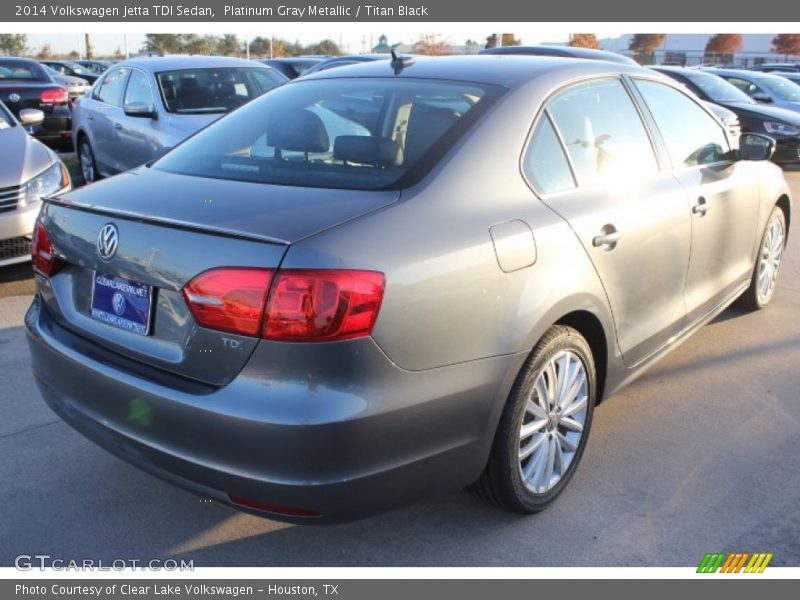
[(118, 116)]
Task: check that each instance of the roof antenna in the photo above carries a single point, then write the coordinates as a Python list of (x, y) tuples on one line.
[(399, 63)]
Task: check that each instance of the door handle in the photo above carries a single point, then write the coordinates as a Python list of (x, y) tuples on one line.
[(702, 207), (117, 125), (609, 238), (90, 116)]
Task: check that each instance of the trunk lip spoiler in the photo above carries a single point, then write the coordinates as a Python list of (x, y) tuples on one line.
[(175, 223)]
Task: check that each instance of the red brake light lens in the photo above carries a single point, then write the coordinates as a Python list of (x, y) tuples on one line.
[(302, 305), (229, 299), (54, 96), (43, 255), (323, 305)]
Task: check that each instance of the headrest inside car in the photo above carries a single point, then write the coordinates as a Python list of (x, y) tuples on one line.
[(298, 130), (367, 150)]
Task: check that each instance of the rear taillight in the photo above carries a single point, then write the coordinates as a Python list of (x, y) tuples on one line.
[(287, 305), (229, 299), (314, 306), (54, 96), (43, 255)]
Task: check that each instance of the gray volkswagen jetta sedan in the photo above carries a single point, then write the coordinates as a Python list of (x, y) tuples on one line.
[(395, 279)]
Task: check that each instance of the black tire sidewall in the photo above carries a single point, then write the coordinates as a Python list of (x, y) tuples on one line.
[(516, 494), (776, 213)]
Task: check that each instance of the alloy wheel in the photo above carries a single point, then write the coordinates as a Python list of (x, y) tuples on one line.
[(553, 422)]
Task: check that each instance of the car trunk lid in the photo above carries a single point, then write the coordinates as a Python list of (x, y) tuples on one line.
[(170, 229)]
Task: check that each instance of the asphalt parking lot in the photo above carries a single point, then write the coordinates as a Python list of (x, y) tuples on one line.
[(700, 455)]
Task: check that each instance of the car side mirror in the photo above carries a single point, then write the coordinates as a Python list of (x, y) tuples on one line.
[(31, 116), (140, 109), (755, 146), (762, 97)]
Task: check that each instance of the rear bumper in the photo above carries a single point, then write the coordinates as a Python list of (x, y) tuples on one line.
[(345, 437), (56, 129)]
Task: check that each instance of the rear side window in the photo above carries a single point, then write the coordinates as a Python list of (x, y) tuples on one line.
[(369, 133), (603, 132), (545, 163), (198, 91), (112, 87), (693, 137)]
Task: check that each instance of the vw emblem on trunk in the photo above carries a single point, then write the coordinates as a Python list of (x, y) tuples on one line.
[(13, 97), (107, 241)]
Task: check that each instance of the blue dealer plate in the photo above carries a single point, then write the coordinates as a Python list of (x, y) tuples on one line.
[(121, 302)]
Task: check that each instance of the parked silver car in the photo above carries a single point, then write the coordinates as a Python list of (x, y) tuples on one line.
[(141, 108), (317, 321), (76, 86), (29, 170)]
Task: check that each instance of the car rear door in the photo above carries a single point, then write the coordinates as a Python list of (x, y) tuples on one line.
[(630, 215), (723, 195)]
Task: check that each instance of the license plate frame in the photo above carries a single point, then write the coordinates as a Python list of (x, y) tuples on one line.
[(132, 313)]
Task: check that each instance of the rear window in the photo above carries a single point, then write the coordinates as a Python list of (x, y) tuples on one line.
[(199, 91), (22, 70), (339, 133)]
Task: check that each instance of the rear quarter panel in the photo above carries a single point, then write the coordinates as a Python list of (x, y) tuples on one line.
[(447, 300)]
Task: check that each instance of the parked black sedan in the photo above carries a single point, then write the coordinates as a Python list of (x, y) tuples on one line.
[(293, 66), (343, 61), (24, 83), (68, 67), (779, 123)]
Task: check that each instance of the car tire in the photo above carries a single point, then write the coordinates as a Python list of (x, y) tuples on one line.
[(87, 162), (512, 480), (768, 262)]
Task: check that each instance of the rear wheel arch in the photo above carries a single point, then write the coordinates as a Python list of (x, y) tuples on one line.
[(590, 327), (786, 206)]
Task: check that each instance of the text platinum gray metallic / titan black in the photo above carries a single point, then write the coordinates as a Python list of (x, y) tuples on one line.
[(396, 279)]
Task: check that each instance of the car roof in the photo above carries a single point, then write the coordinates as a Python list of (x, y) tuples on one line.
[(565, 51), (496, 69), (743, 73), (179, 61)]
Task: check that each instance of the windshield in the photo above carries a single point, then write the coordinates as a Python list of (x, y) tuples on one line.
[(22, 70), (201, 91), (782, 88), (339, 133), (719, 90)]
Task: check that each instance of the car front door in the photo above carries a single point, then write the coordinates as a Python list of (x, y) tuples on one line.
[(630, 215), (138, 138), (722, 193), (107, 120)]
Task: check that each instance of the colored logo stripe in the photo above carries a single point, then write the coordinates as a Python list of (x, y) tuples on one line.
[(734, 562)]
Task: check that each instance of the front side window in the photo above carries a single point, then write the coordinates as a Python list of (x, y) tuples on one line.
[(371, 133), (693, 137), (113, 85), (138, 89), (603, 132), (545, 163), (748, 87), (197, 91)]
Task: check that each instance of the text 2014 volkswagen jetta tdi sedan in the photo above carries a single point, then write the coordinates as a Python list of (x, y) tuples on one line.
[(395, 279)]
